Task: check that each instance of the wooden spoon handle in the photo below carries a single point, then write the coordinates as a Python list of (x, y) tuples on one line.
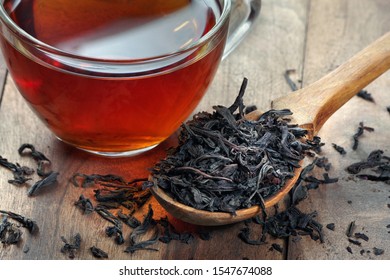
[(314, 104)]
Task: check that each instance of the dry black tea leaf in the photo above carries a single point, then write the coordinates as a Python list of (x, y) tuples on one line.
[(361, 236), (39, 157), (277, 247), (359, 133), (358, 243), (9, 233), (129, 220), (20, 173), (330, 226), (26, 249), (143, 245), (36, 155), (351, 229), (244, 235), (339, 149), (70, 248), (27, 223), (116, 229), (147, 224), (376, 159), (374, 178), (204, 234), (98, 253), (324, 163), (290, 82), (84, 204), (93, 179), (378, 251), (169, 233), (349, 249), (299, 193), (364, 94), (48, 181)]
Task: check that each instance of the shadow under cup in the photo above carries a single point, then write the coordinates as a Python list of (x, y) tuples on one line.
[(113, 103)]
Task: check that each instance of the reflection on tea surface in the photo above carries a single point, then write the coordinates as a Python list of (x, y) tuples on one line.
[(115, 29)]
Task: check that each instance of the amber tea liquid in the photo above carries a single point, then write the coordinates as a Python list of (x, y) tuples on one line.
[(111, 111)]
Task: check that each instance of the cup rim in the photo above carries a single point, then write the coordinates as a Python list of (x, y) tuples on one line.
[(31, 40)]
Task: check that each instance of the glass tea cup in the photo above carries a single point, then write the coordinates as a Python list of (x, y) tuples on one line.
[(117, 79)]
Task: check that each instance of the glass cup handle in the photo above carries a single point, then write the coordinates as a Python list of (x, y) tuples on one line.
[(243, 14)]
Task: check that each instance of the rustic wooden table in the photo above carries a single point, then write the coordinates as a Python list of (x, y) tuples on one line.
[(312, 37)]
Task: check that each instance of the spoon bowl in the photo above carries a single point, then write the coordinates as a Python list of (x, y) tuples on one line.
[(312, 106), (206, 218)]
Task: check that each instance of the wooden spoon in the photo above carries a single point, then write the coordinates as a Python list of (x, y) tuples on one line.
[(311, 107)]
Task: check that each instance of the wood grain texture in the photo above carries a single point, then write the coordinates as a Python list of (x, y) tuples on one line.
[(315, 103), (3, 75), (312, 37), (262, 58), (336, 31)]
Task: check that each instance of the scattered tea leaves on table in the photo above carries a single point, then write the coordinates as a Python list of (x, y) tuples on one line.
[(244, 235), (354, 242), (26, 249), (147, 224), (359, 133), (143, 245), (98, 253), (169, 233), (84, 204), (39, 157), (204, 234), (378, 251), (20, 173), (128, 219), (10, 234), (351, 229), (364, 94), (48, 181), (331, 226), (360, 235), (290, 82), (27, 223), (376, 159), (36, 155), (339, 149), (70, 248), (293, 222), (116, 229), (277, 247)]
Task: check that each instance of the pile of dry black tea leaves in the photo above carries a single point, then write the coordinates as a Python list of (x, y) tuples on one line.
[(225, 162)]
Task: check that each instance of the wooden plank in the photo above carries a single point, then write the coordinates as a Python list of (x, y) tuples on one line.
[(336, 31), (275, 44), (3, 75)]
